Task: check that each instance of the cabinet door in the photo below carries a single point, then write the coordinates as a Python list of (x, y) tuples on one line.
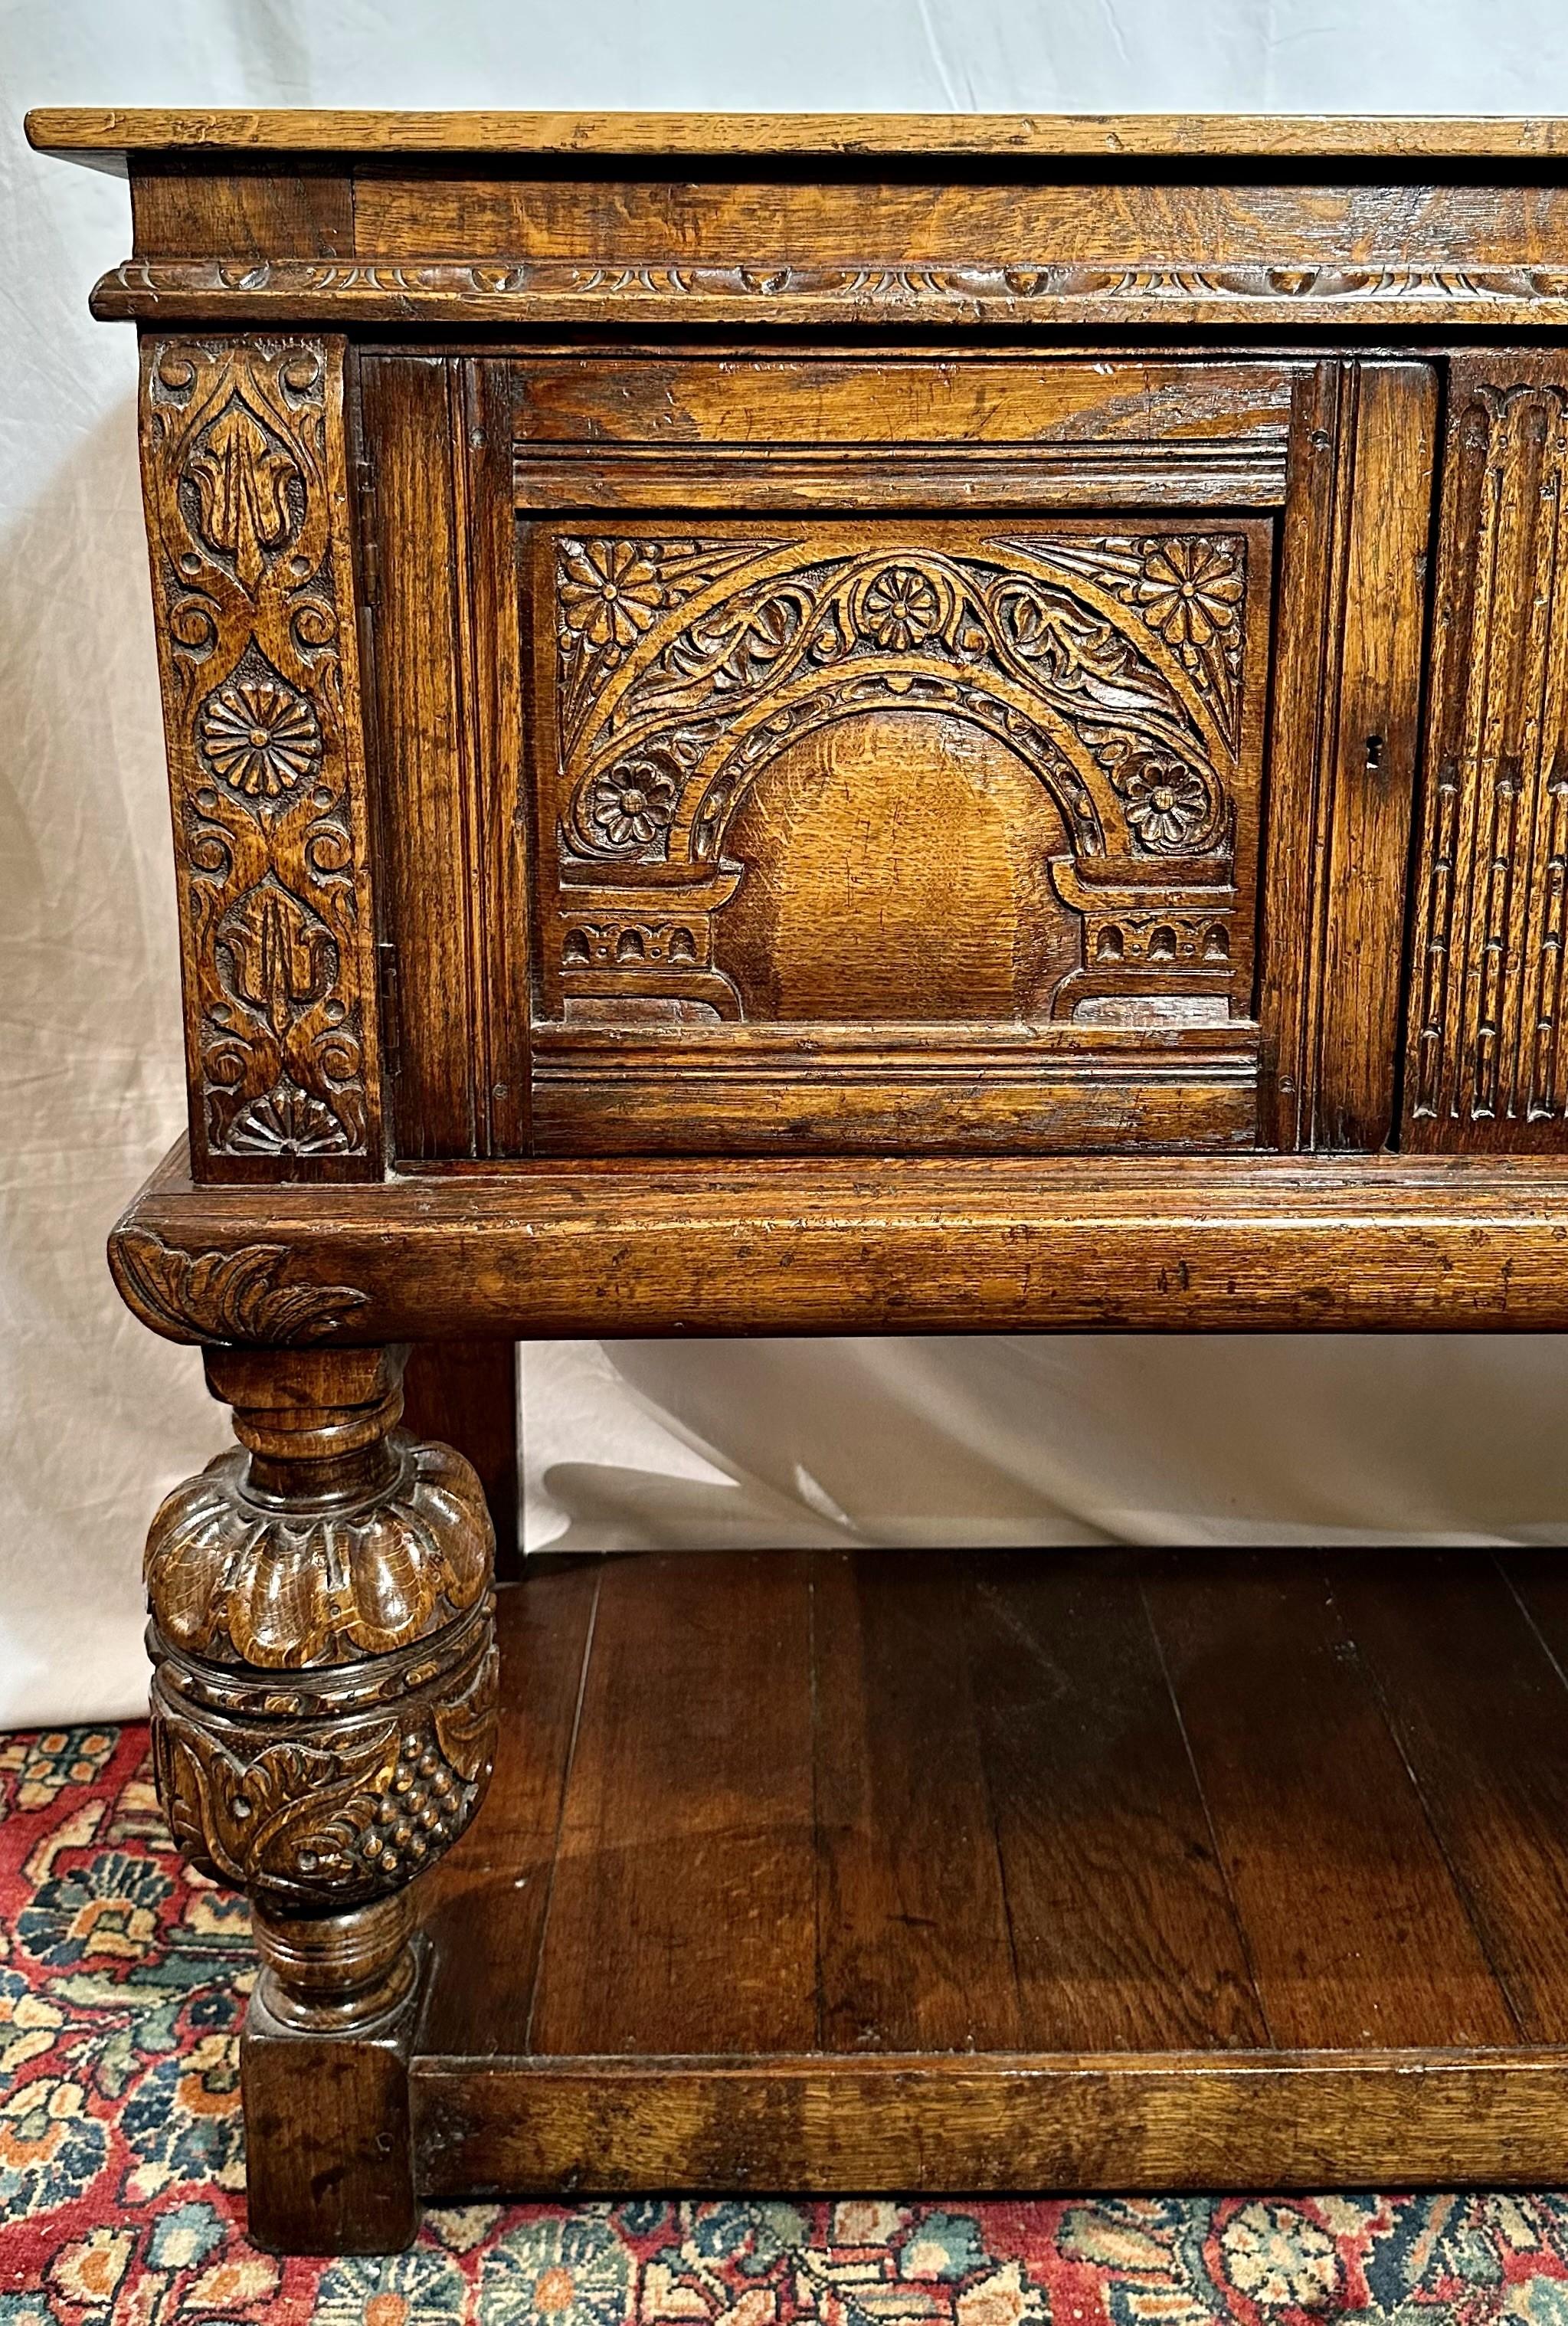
[(907, 753)]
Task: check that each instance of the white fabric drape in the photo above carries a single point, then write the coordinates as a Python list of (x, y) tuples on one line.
[(1088, 1440)]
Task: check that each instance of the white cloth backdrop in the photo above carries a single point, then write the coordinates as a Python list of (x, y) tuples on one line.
[(1017, 1441)]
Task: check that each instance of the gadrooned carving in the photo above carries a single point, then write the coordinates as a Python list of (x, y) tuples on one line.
[(226, 1295), (234, 1578)]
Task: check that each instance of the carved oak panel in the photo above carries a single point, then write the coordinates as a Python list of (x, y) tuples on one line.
[(954, 795), (245, 489), (1489, 1061)]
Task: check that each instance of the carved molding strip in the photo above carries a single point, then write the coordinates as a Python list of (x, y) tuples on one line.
[(549, 290), (225, 1296), (244, 482), (1488, 1058)]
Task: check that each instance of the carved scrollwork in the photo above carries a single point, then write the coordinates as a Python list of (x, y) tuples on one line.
[(1113, 664), (238, 1579), (225, 1296), (244, 460)]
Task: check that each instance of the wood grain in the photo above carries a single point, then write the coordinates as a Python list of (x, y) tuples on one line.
[(1355, 1931), (914, 1950), (1485, 1736), (682, 1911), (464, 1394), (485, 1905), (899, 1243), (1001, 1776), (1123, 1933), (1100, 135), (903, 2126)]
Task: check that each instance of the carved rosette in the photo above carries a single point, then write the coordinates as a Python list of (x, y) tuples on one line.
[(245, 480), (323, 1640)]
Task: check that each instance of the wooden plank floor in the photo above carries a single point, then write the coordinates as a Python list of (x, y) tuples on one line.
[(1032, 1868)]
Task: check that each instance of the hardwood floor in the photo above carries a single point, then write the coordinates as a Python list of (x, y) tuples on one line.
[(914, 1869)]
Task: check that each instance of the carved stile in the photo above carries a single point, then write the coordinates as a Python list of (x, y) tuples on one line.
[(244, 483)]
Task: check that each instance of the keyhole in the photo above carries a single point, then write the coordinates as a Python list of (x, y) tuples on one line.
[(1374, 754)]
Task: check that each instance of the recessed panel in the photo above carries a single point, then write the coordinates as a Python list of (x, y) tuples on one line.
[(861, 811)]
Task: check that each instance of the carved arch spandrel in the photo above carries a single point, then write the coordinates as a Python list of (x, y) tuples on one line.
[(245, 484), (1114, 665)]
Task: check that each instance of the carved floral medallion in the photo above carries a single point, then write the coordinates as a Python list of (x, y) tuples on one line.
[(261, 736)]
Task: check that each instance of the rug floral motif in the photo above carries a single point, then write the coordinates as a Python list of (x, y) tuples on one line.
[(122, 2166)]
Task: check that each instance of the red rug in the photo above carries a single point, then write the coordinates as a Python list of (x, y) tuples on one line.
[(122, 2165)]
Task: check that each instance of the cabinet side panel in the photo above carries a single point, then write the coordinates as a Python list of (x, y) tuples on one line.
[(1487, 1066), (245, 477)]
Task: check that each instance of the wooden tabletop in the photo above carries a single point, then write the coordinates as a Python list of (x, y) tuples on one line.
[(103, 130)]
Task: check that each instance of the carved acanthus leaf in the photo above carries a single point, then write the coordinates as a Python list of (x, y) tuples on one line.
[(321, 1818), (225, 1296)]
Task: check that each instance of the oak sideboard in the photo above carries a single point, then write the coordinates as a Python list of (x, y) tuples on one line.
[(830, 725)]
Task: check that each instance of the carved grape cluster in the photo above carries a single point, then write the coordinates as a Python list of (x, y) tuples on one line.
[(421, 1813)]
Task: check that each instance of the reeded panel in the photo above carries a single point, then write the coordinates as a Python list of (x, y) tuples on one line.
[(943, 830), (1489, 1061)]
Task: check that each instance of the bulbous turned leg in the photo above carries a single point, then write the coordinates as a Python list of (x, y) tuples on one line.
[(323, 1726)]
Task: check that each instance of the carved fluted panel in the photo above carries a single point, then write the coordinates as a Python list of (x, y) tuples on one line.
[(246, 483), (1488, 1063)]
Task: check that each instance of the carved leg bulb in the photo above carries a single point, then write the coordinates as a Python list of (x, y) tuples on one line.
[(323, 1727)]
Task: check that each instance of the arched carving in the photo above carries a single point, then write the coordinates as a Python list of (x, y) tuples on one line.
[(1109, 665), (1084, 655)]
